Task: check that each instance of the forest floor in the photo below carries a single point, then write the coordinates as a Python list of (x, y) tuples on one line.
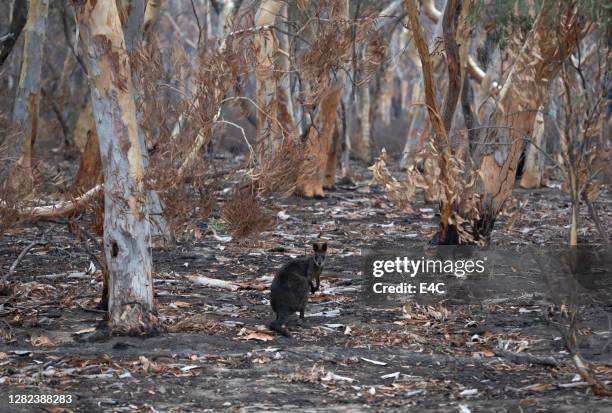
[(348, 356)]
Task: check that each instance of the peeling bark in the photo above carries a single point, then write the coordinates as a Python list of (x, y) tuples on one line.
[(535, 67), (126, 225), (534, 160), (271, 97), (132, 14), (362, 141), (318, 146), (27, 100), (90, 167), (441, 142), (321, 144), (418, 134)]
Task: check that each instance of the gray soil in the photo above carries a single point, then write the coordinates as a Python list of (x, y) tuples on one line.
[(348, 356)]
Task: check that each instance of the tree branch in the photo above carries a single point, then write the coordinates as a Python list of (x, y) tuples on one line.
[(19, 16)]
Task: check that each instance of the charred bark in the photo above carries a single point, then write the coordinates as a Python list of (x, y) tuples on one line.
[(535, 67), (272, 94), (321, 152), (440, 141), (27, 100)]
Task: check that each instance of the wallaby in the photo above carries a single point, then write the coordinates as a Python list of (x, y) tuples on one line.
[(289, 291)]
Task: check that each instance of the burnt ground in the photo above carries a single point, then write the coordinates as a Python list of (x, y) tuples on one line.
[(347, 356)]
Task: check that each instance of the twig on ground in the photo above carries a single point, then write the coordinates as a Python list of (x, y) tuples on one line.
[(213, 282), (20, 257)]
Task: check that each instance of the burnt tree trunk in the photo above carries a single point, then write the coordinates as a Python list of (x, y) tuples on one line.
[(321, 144), (126, 225), (523, 92), (441, 142), (27, 100), (274, 116)]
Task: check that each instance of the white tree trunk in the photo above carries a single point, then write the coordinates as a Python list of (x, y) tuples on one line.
[(126, 225)]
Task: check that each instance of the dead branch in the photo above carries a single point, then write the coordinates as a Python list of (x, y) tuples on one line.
[(18, 20), (212, 282), (176, 27), (61, 208), (20, 258), (599, 388), (525, 358)]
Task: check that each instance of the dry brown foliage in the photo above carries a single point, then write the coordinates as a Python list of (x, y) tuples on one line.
[(245, 214), (278, 173), (199, 323), (402, 193), (18, 187), (179, 123)]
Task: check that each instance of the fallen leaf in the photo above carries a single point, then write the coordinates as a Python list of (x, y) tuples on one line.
[(255, 335), (85, 330), (41, 341), (540, 387), (335, 377)]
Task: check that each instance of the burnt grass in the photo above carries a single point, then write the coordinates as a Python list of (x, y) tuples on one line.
[(218, 355)]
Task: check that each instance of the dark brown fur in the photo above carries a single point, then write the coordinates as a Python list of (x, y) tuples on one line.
[(289, 291)]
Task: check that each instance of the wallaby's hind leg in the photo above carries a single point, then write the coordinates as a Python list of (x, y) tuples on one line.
[(302, 313), (303, 321), (277, 325)]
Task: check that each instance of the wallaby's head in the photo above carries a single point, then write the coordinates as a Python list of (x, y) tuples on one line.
[(319, 253)]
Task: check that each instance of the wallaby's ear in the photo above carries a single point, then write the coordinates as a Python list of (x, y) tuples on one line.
[(324, 247), (315, 247)]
